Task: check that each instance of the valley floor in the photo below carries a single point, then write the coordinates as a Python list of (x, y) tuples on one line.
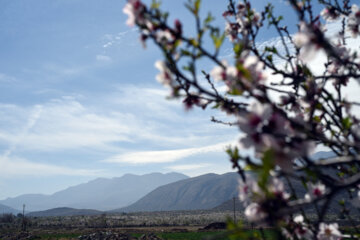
[(174, 225)]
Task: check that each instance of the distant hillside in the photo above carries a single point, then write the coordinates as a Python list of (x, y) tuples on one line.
[(99, 194), (229, 205), (6, 209), (61, 212), (202, 192)]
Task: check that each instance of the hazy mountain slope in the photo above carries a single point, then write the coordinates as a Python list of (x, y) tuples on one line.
[(64, 212), (202, 192), (6, 209), (27, 199), (100, 194)]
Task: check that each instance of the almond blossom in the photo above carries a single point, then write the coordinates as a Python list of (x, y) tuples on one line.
[(224, 73), (255, 213), (353, 23), (330, 14), (255, 70), (249, 189), (329, 232), (134, 9), (302, 230), (165, 77), (165, 37), (298, 229), (231, 31), (304, 40), (255, 199), (315, 191), (266, 129)]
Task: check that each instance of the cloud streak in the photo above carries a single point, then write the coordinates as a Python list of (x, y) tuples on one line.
[(164, 156), (12, 167)]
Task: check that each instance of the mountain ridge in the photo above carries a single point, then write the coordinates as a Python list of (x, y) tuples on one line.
[(110, 193), (201, 192)]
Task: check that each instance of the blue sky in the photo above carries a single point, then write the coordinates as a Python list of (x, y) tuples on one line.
[(79, 99)]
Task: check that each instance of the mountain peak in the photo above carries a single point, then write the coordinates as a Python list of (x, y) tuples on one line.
[(99, 194)]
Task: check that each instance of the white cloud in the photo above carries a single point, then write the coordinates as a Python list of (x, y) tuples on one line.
[(186, 167), (61, 70), (11, 167), (132, 115), (6, 78), (62, 124), (110, 40), (103, 58), (316, 65), (164, 156)]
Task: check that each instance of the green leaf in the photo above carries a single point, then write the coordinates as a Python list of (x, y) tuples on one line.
[(317, 119), (271, 49), (233, 153), (155, 4), (235, 92), (243, 71), (194, 42), (346, 122), (197, 6), (216, 106), (208, 19), (219, 41), (269, 58), (238, 48), (268, 160), (307, 71), (319, 106), (185, 52)]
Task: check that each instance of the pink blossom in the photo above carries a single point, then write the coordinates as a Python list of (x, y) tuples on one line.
[(255, 69), (134, 9), (164, 37), (255, 198), (302, 230), (329, 232), (165, 76), (304, 40), (249, 189), (254, 212), (299, 229), (277, 188), (226, 73), (353, 22), (231, 31), (261, 125), (247, 18), (329, 14), (315, 191)]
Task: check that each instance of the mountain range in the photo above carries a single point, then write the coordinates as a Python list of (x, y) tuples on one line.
[(6, 209), (99, 194), (64, 211), (202, 192)]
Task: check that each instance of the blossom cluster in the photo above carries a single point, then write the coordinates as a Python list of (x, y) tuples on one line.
[(245, 18), (353, 23), (246, 76), (266, 129), (257, 198), (139, 14), (297, 228)]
